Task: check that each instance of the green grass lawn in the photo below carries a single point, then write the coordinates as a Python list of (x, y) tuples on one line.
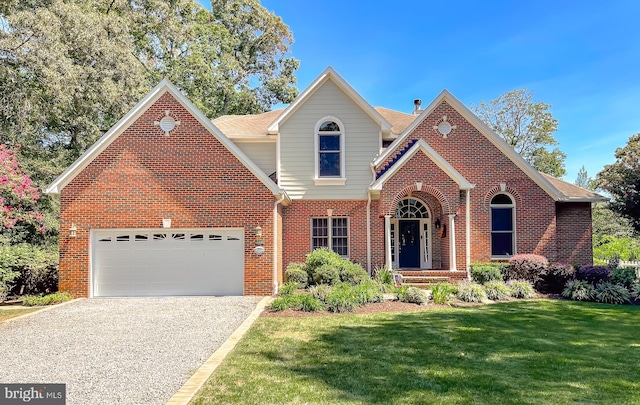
[(8, 312), (525, 352)]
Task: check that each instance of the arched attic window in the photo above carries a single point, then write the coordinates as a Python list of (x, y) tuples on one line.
[(503, 238)]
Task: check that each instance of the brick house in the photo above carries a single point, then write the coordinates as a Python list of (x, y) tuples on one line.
[(170, 203)]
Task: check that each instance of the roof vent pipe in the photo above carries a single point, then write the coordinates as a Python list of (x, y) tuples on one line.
[(416, 106)]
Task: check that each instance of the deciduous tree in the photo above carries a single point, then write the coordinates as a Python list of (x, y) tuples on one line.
[(527, 126), (621, 180), (20, 220), (69, 69)]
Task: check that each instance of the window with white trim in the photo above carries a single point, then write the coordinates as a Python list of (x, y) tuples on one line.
[(502, 226), (329, 150), (331, 233)]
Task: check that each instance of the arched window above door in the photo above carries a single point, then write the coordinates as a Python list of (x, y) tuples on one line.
[(411, 208)]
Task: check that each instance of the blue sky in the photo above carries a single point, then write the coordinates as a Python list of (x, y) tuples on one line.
[(582, 57)]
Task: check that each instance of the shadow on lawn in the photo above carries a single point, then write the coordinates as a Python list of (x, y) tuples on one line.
[(521, 352)]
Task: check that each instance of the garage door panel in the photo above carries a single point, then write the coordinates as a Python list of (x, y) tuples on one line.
[(161, 262)]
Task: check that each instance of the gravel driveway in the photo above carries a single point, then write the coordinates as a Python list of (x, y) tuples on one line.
[(119, 351)]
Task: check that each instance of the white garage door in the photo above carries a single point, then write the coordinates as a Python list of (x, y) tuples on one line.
[(154, 262)]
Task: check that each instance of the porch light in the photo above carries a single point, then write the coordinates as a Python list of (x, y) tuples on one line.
[(166, 222), (73, 231), (437, 223)]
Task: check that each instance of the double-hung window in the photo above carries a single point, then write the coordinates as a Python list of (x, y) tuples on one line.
[(502, 226), (330, 164), (331, 233)]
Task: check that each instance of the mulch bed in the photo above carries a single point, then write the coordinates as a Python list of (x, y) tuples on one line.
[(386, 306)]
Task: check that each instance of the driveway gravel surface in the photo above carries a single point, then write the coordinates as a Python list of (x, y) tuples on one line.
[(119, 350)]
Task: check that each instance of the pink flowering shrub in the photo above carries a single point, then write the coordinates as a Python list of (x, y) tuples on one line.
[(19, 197), (527, 267)]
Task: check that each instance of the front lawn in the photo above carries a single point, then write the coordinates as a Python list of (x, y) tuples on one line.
[(8, 312), (526, 352)]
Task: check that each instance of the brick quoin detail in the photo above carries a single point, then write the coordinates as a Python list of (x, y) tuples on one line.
[(144, 176)]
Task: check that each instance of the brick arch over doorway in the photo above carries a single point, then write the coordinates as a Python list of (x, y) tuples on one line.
[(390, 208)]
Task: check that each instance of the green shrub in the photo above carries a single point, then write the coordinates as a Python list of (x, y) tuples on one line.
[(49, 299), (37, 268), (326, 274), (497, 290), (288, 288), (352, 273), (521, 288), (635, 290), (296, 273), (593, 274), (610, 293), (401, 293), (6, 279), (319, 258), (309, 303), (320, 291), (527, 267), (443, 292), (555, 277), (415, 295), (484, 273), (368, 291), (383, 276), (624, 277), (579, 290), (471, 292), (286, 301), (341, 298)]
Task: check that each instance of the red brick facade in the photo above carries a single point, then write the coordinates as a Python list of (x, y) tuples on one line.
[(194, 179), (481, 163), (144, 176)]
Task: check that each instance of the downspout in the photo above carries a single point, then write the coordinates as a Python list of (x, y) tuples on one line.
[(275, 242), (369, 232), (373, 174), (468, 233)]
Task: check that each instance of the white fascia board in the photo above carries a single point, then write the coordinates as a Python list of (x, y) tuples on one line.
[(494, 138), (329, 74), (138, 110), (252, 138), (421, 145)]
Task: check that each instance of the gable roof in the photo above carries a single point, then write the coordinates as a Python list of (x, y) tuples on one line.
[(163, 87), (573, 193), (424, 147), (329, 74), (553, 188), (246, 125), (256, 125), (399, 121)]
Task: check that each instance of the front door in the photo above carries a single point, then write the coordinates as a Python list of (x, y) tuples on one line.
[(409, 243)]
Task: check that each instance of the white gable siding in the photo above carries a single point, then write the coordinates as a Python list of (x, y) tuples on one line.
[(263, 154), (297, 154)]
